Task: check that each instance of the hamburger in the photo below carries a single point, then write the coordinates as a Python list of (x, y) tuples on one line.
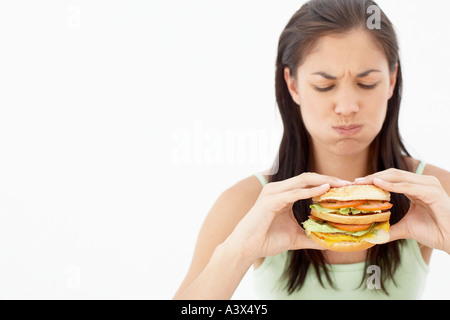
[(350, 218)]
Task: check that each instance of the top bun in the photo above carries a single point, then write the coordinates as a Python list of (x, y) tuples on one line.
[(356, 192)]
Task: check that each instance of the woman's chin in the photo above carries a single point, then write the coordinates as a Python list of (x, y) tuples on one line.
[(350, 147)]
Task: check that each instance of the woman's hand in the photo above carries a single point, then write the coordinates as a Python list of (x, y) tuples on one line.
[(270, 227), (428, 219)]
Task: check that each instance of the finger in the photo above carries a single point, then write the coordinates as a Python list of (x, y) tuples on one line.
[(306, 243), (306, 180), (294, 195), (313, 179), (279, 202), (396, 175), (426, 193), (303, 242), (398, 231)]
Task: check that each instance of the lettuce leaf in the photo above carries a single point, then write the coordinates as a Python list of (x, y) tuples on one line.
[(343, 211), (321, 226)]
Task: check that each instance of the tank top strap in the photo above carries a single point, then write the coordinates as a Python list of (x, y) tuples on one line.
[(421, 167), (261, 178)]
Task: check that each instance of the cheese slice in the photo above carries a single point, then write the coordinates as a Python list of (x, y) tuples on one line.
[(379, 234)]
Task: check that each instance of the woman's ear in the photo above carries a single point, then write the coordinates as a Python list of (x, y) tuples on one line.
[(292, 85), (393, 81)]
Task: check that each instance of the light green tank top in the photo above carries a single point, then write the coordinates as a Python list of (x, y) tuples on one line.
[(410, 277)]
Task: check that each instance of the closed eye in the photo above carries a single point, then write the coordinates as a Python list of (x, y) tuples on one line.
[(363, 86), (367, 87), (326, 89)]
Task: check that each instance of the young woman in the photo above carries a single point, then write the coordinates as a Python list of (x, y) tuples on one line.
[(338, 88)]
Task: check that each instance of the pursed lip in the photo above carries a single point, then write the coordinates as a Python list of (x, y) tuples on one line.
[(349, 130)]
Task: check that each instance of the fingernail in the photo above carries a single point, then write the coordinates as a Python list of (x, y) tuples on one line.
[(343, 183), (360, 180)]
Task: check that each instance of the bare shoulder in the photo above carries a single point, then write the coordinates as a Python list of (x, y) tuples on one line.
[(430, 170), (233, 204), (228, 210), (442, 175), (241, 195)]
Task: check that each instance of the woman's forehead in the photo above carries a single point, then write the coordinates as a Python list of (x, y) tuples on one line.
[(353, 52)]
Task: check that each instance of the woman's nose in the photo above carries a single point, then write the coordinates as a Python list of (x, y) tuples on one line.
[(346, 102)]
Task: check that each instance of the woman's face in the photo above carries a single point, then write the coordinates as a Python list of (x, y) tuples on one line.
[(342, 88)]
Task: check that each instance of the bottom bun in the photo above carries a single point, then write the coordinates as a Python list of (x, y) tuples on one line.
[(345, 246)]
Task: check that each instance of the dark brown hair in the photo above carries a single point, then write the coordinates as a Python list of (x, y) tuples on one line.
[(315, 19)]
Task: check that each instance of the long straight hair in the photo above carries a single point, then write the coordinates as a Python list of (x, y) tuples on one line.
[(316, 19)]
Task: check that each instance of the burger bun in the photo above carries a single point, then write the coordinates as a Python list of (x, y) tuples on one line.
[(355, 192)]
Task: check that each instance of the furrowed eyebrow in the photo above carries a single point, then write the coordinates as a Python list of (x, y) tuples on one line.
[(330, 77), (366, 73), (325, 75)]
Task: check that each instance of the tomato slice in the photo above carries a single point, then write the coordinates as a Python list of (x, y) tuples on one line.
[(341, 204), (374, 205), (349, 227)]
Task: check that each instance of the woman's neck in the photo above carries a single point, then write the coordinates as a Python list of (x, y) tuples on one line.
[(346, 167)]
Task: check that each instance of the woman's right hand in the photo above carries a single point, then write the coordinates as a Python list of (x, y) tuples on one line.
[(270, 227)]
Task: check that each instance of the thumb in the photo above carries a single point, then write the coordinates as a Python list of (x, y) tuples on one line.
[(303, 242), (398, 231)]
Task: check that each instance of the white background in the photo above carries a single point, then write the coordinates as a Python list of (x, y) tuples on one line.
[(121, 122)]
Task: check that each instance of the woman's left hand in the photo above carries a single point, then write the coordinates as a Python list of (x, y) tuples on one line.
[(428, 219)]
